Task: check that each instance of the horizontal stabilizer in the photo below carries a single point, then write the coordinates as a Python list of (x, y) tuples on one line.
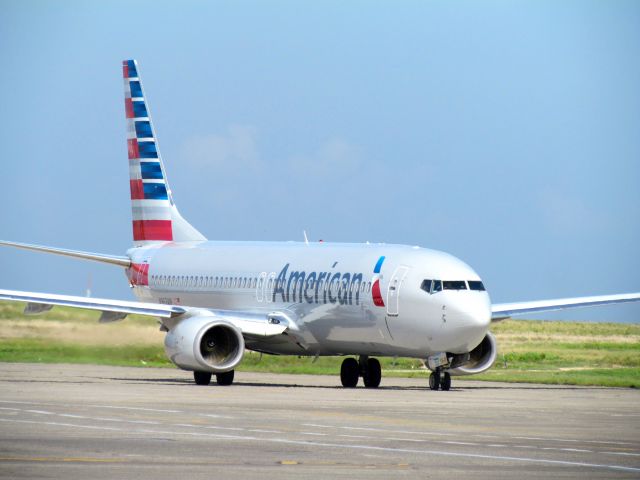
[(500, 311), (96, 257)]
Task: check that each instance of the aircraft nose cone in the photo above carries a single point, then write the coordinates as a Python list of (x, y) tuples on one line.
[(472, 311), (470, 317)]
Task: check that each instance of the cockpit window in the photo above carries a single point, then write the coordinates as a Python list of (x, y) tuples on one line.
[(476, 285), (454, 285), (431, 286)]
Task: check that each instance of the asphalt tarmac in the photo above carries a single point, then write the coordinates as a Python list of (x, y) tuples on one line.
[(83, 421)]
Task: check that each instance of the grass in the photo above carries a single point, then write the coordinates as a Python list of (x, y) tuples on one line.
[(605, 354)]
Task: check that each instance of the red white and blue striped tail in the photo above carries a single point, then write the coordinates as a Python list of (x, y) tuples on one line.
[(155, 216)]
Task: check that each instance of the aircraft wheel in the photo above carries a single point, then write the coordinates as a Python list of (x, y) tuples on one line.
[(445, 382), (202, 378), (373, 373), (434, 380), (349, 372), (225, 378)]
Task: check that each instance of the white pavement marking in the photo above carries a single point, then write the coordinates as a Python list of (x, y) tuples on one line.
[(158, 410), (340, 446), (372, 429), (571, 440), (60, 424), (142, 409), (543, 439), (240, 429)]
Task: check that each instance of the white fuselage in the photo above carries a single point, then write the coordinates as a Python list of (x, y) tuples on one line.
[(328, 290)]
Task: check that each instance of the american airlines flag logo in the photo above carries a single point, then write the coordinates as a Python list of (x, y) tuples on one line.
[(375, 288), (151, 207)]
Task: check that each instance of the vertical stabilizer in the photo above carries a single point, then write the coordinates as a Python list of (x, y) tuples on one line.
[(155, 216)]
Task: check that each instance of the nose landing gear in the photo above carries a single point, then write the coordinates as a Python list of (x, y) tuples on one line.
[(367, 368), (440, 380)]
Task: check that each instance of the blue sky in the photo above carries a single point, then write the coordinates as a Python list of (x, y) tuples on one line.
[(505, 133)]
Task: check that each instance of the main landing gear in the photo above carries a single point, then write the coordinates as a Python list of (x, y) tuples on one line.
[(440, 380), (204, 378), (367, 368)]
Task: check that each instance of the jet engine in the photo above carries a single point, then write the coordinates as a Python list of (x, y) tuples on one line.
[(478, 360), (205, 344)]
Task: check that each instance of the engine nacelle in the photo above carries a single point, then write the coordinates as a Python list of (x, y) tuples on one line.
[(205, 344), (478, 360)]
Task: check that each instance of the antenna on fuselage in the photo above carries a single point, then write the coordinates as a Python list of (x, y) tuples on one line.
[(306, 239)]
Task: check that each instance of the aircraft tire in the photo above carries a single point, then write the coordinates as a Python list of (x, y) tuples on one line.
[(445, 382), (225, 378), (202, 378), (434, 380), (349, 372), (373, 373)]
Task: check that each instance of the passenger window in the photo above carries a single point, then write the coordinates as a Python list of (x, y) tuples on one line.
[(454, 285), (476, 285)]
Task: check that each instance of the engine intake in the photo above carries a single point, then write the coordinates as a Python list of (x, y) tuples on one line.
[(205, 343), (478, 360)]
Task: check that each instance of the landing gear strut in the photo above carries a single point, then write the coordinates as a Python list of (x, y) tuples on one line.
[(440, 380), (367, 368), (204, 378)]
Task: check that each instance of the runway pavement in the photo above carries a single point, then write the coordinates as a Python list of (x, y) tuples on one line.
[(82, 421)]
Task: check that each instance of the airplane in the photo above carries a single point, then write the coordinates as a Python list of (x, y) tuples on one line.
[(217, 299)]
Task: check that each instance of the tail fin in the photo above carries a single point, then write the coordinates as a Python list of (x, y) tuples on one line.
[(155, 216)]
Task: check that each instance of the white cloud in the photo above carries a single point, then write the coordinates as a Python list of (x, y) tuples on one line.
[(233, 150), (564, 212), (334, 157)]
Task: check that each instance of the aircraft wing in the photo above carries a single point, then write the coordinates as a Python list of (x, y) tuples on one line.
[(501, 311), (113, 310)]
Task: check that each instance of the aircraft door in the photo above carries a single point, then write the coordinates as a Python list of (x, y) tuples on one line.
[(393, 293)]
